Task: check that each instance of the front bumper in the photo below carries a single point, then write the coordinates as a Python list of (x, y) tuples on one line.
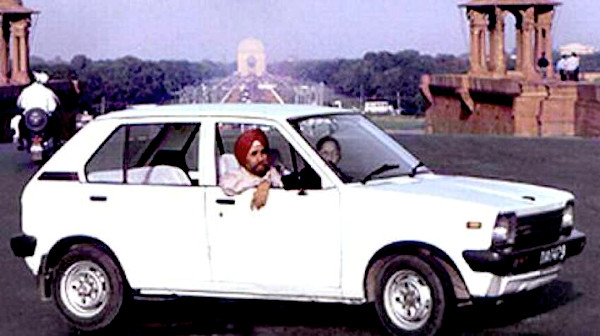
[(23, 245), (518, 262)]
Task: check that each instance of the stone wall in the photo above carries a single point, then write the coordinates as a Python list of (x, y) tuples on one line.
[(465, 104), (449, 115), (484, 105), (557, 115), (587, 110)]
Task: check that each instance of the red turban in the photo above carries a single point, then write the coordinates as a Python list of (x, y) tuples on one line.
[(244, 143)]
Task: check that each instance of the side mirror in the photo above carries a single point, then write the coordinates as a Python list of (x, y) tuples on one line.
[(309, 179)]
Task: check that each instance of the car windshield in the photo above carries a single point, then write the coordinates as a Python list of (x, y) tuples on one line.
[(356, 149)]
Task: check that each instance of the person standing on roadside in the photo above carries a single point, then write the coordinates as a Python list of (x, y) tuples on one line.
[(543, 64), (572, 67)]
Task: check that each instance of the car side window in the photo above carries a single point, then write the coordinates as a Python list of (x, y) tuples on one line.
[(147, 154), (295, 172), (107, 164)]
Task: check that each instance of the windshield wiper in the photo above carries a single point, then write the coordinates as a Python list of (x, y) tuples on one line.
[(378, 171), (413, 171)]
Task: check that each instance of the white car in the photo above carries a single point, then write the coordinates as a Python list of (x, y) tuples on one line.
[(131, 206)]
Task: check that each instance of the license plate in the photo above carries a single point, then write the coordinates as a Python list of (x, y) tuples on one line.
[(557, 253)]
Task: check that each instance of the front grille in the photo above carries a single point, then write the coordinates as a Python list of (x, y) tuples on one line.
[(538, 229)]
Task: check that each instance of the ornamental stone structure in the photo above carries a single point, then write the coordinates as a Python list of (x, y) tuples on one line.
[(251, 59), (14, 45), (533, 35), (490, 99)]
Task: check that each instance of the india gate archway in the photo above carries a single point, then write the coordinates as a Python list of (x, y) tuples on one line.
[(15, 21), (251, 58), (487, 35)]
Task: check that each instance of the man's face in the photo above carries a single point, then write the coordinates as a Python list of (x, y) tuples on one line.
[(257, 160)]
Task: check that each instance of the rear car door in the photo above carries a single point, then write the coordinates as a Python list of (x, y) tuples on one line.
[(144, 202)]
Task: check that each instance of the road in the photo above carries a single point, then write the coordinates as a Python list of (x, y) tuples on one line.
[(568, 306)]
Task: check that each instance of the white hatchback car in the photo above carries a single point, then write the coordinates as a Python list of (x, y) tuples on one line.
[(131, 206)]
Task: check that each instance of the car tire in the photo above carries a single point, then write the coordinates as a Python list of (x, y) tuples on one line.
[(410, 297), (88, 288)]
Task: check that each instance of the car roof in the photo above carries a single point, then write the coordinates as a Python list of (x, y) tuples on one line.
[(268, 111)]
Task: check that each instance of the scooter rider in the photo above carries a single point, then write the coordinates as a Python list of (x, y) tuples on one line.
[(37, 95)]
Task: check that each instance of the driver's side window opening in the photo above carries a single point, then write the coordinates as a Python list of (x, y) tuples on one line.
[(295, 172), (160, 154)]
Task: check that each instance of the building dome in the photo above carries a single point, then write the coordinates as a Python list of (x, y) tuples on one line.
[(578, 48)]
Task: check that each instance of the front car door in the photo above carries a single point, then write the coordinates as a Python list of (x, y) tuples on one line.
[(289, 247)]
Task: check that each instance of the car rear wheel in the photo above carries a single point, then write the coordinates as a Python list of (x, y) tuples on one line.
[(88, 288), (410, 297)]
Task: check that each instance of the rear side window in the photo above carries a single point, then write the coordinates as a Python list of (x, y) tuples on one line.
[(109, 158), (147, 154)]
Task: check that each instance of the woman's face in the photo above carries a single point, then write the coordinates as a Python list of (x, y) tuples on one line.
[(329, 152)]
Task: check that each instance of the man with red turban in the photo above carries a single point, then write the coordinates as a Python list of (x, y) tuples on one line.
[(252, 153)]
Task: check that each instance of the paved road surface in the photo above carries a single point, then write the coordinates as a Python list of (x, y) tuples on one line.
[(568, 306)]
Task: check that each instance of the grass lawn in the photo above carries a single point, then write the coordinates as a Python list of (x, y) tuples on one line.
[(398, 122)]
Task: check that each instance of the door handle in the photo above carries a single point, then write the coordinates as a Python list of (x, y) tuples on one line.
[(225, 201), (98, 198)]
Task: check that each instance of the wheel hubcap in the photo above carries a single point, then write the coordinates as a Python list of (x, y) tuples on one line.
[(84, 289), (407, 299)]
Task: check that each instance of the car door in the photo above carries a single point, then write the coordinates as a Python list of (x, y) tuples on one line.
[(291, 245), (152, 215)]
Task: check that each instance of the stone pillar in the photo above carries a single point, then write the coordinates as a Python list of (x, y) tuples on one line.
[(478, 29), (519, 50), (14, 50), (20, 52), (543, 41), (527, 52), (483, 56), (3, 53), (497, 56)]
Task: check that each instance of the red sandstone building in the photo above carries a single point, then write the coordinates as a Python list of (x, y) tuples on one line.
[(15, 21), (489, 99), (14, 58)]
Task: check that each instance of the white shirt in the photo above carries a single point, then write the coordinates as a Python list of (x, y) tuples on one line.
[(37, 95), (560, 65), (572, 63), (240, 180)]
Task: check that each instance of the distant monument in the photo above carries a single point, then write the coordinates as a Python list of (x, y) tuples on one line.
[(251, 58), (14, 20), (252, 83), (489, 99)]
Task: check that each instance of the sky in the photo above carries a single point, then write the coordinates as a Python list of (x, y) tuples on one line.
[(198, 30)]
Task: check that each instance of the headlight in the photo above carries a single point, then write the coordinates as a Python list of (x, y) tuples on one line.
[(504, 230), (568, 219)]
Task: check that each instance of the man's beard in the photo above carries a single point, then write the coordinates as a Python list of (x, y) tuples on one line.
[(259, 170)]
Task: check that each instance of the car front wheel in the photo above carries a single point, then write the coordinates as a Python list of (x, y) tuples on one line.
[(88, 288), (410, 299)]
